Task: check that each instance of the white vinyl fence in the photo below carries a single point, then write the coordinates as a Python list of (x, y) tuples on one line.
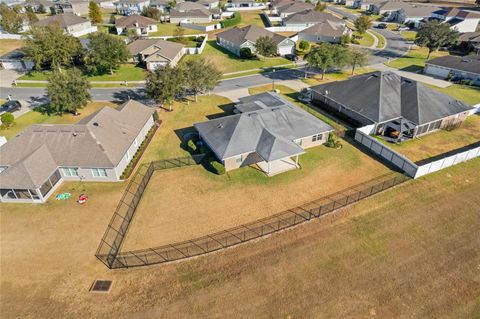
[(188, 50), (362, 135), (11, 36), (204, 28)]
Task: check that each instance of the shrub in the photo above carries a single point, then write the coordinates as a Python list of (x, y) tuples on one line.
[(345, 39), (217, 167), (232, 21), (246, 53), (7, 119), (304, 45), (192, 146)]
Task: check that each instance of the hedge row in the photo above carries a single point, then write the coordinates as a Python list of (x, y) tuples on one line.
[(232, 21)]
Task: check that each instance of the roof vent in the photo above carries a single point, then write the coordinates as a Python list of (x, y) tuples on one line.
[(466, 60), (74, 133), (95, 124), (220, 125)]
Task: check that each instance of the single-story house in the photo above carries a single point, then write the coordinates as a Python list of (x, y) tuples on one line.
[(389, 101), (267, 130), (293, 7), (106, 4), (209, 4), (308, 18), (470, 41), (36, 5), (78, 7), (245, 5), (326, 31), (193, 12), (245, 37), (71, 23), (15, 60), (411, 13), (458, 19), (128, 7), (142, 25), (156, 53), (98, 148), (450, 66), (161, 5)]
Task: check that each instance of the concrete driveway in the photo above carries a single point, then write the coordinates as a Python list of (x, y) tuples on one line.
[(8, 76)]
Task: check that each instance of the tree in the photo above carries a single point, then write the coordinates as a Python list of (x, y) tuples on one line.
[(320, 6), (179, 32), (265, 46), (94, 12), (172, 4), (68, 91), (326, 55), (199, 76), (434, 35), (31, 17), (11, 21), (304, 45), (362, 24), (41, 9), (105, 53), (246, 53), (53, 11), (50, 47), (152, 13), (7, 119), (165, 84), (357, 58)]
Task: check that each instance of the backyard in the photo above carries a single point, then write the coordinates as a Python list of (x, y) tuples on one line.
[(37, 117), (227, 62), (439, 142), (7, 45), (374, 258), (165, 29), (465, 93)]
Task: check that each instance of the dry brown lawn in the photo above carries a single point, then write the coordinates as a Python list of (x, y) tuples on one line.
[(413, 251), (185, 203), (441, 141), (7, 45)]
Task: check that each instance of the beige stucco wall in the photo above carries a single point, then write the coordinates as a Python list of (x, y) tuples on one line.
[(307, 142)]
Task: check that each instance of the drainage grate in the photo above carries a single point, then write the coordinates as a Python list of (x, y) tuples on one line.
[(101, 286)]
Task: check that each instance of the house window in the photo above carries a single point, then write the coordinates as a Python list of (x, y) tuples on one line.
[(128, 156), (317, 137), (99, 172), (135, 143), (70, 171), (239, 159)]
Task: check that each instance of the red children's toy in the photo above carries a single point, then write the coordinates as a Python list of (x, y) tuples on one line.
[(82, 199)]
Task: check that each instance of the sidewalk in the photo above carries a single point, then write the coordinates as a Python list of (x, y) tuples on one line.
[(414, 76)]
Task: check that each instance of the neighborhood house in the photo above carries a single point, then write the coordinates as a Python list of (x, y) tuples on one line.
[(267, 130), (127, 7), (98, 148), (140, 24), (156, 53), (455, 67), (237, 38), (71, 23), (399, 108)]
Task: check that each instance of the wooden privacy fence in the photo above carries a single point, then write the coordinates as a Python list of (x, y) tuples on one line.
[(109, 249)]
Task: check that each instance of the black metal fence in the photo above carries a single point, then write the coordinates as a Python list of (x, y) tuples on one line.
[(237, 235), (117, 228)]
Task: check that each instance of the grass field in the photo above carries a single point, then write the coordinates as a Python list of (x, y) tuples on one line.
[(381, 40), (384, 257), (251, 18), (169, 29), (34, 117), (409, 35), (441, 141), (227, 62), (337, 76), (126, 72), (365, 39), (7, 45), (467, 94), (415, 59)]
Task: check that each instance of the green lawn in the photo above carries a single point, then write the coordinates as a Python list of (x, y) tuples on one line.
[(415, 59), (365, 40), (169, 29), (336, 76), (440, 141), (381, 40), (251, 18), (227, 62), (34, 117), (126, 72), (409, 35), (465, 93)]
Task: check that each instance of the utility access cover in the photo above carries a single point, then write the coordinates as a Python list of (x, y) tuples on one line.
[(101, 286)]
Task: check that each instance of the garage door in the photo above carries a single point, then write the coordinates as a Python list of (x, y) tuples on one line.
[(12, 65), (282, 50)]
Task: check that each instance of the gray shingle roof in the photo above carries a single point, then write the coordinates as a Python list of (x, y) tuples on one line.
[(269, 130), (467, 63), (63, 20), (238, 36), (294, 7), (311, 16), (134, 21), (384, 96), (326, 28), (164, 50), (98, 140)]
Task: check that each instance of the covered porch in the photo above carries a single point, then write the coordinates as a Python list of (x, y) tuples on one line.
[(278, 166)]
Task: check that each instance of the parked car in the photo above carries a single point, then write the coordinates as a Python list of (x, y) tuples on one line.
[(291, 57), (10, 106), (403, 29), (381, 26)]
